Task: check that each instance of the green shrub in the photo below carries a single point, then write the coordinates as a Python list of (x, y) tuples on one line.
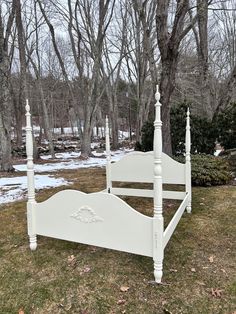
[(209, 170), (225, 123), (147, 136), (203, 133), (230, 156)]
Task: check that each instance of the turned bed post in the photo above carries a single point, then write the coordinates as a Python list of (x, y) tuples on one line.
[(108, 156), (30, 180), (188, 186), (158, 221)]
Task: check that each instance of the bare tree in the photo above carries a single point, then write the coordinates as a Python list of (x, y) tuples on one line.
[(87, 49), (5, 99), (19, 105), (169, 40), (201, 31), (225, 13), (36, 64), (141, 57), (111, 70)]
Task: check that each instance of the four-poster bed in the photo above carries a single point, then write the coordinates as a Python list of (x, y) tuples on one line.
[(103, 219)]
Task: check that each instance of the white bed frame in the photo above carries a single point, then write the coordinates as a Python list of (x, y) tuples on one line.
[(103, 219)]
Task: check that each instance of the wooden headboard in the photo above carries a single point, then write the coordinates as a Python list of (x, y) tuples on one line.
[(138, 167)]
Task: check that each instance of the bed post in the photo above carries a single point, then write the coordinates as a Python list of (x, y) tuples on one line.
[(188, 186), (108, 155), (30, 181), (158, 221)]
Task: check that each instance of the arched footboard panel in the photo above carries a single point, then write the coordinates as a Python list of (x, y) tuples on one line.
[(99, 219)]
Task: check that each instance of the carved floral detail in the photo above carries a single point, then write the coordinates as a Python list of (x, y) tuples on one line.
[(86, 214)]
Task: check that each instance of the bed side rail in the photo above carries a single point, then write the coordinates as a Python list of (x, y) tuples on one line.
[(174, 221)]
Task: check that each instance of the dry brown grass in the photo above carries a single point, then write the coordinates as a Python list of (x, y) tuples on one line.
[(199, 265)]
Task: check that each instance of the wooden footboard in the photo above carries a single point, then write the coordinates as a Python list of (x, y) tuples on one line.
[(99, 219)]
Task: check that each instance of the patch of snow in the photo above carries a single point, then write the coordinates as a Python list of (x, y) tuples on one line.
[(93, 145), (13, 189), (99, 154), (66, 155), (217, 152), (74, 164)]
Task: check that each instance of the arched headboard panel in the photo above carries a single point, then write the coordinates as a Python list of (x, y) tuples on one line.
[(138, 167)]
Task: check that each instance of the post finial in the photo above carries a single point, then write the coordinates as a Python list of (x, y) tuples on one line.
[(188, 112), (157, 96), (27, 107)]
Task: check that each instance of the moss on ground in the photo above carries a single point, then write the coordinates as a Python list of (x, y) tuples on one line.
[(199, 265)]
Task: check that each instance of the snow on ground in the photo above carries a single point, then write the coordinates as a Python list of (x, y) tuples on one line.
[(97, 132), (65, 155), (68, 162), (217, 152), (13, 189)]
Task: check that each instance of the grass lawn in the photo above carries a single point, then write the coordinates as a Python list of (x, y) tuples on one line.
[(66, 277)]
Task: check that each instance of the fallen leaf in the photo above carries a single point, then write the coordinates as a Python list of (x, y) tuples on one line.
[(93, 249), (205, 267), (224, 271), (21, 311), (84, 270), (193, 270), (71, 260), (201, 283), (121, 301), (217, 293), (211, 259), (173, 270), (202, 204), (166, 311), (124, 288)]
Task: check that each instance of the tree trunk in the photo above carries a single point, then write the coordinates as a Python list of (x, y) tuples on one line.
[(86, 143), (167, 82), (5, 101), (169, 43), (114, 127), (46, 121), (139, 119), (18, 116), (5, 118), (5, 135), (202, 49), (23, 81), (113, 114)]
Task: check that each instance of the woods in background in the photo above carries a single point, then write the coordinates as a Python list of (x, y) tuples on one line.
[(79, 60)]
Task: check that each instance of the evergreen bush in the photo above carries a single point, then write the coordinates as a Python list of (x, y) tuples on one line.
[(203, 133), (209, 170), (225, 124), (147, 134)]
